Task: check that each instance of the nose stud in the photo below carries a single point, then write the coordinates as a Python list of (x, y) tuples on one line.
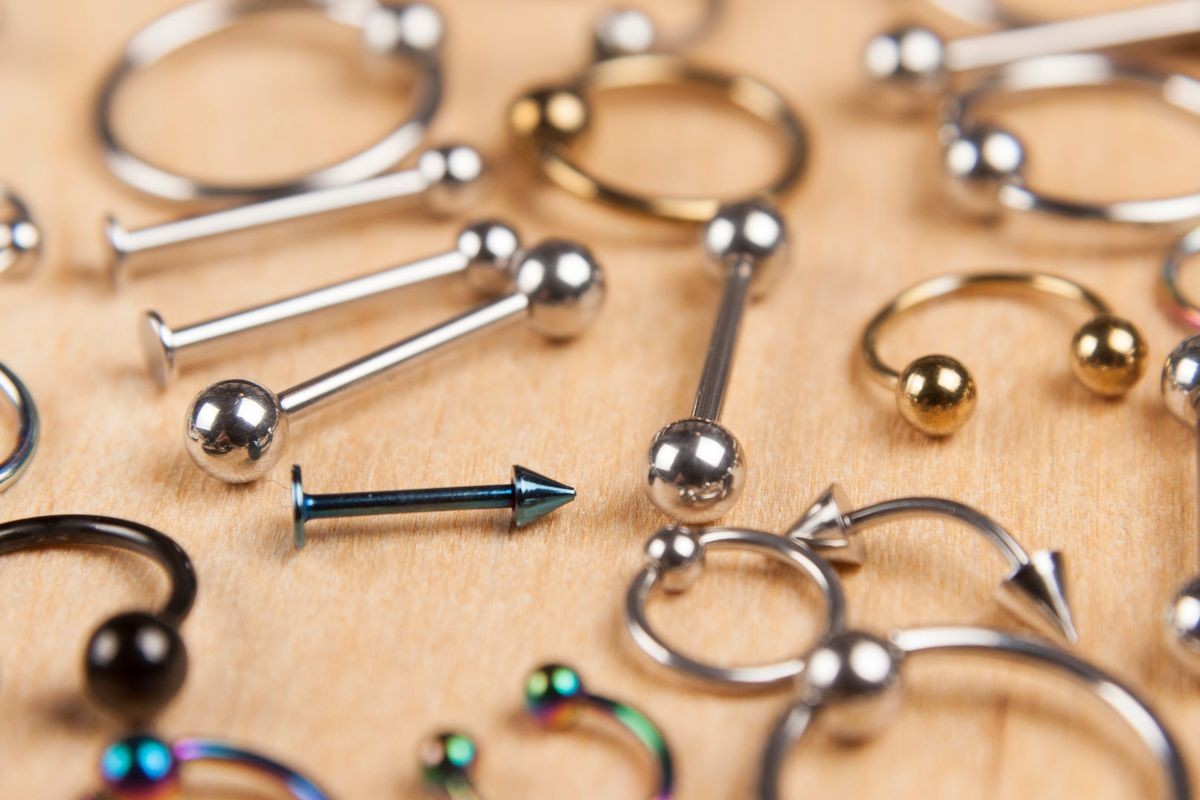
[(447, 178), (20, 236), (1033, 590), (484, 253), (936, 393), (696, 466), (530, 496), (237, 430)]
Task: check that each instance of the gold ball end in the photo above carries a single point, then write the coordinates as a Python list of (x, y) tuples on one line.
[(936, 395), (1108, 355), (552, 114)]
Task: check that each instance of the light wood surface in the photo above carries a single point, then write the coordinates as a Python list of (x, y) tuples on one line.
[(342, 658)]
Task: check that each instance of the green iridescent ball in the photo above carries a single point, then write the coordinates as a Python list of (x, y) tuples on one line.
[(447, 759), (553, 695)]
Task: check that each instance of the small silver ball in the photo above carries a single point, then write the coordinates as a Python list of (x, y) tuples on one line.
[(855, 677), (696, 470), (236, 431), (677, 554), (977, 162), (565, 287), (911, 60), (624, 32), (752, 230), (20, 238), (1181, 380), (1183, 627), (455, 175), (404, 30), (490, 247)]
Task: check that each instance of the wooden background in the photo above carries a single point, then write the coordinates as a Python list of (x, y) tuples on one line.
[(341, 659)]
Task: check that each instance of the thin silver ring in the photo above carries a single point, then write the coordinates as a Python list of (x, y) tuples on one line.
[(1066, 72), (981, 12), (202, 18), (1182, 307), (28, 428), (794, 554), (1131, 709)]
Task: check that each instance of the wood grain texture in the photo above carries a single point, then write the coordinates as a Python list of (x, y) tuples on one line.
[(383, 631)]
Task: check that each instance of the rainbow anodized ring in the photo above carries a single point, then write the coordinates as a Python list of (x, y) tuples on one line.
[(555, 697), (1178, 303), (143, 767)]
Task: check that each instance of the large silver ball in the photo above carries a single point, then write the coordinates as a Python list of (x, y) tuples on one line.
[(697, 470), (455, 175), (677, 554), (1183, 627), (624, 32), (236, 431), (20, 237), (977, 162), (855, 677), (490, 247), (403, 29), (1181, 380), (911, 60), (752, 231), (565, 287)]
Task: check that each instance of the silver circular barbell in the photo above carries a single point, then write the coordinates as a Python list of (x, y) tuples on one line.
[(853, 681), (675, 559), (631, 31), (28, 428), (413, 32), (20, 236)]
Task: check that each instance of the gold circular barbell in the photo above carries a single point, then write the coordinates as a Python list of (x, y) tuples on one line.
[(549, 119), (936, 393)]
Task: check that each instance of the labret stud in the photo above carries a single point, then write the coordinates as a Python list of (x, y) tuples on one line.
[(1033, 590), (530, 496), (237, 430), (446, 177), (696, 466), (483, 253)]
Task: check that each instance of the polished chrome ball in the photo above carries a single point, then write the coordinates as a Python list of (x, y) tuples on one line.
[(677, 554), (554, 114), (855, 677), (697, 470), (1108, 355), (455, 175), (490, 247), (624, 32), (911, 60), (1183, 627), (936, 395), (20, 237), (977, 162), (408, 29), (1181, 380), (565, 287), (748, 232), (236, 431)]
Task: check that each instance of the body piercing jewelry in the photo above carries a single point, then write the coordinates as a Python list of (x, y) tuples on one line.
[(142, 767), (136, 661), (696, 466), (1033, 589), (530, 496), (20, 236), (979, 12), (237, 430), (675, 559), (853, 682), (984, 164), (628, 31), (936, 393), (483, 253), (29, 428), (555, 697), (413, 32), (548, 120), (1180, 305), (446, 178)]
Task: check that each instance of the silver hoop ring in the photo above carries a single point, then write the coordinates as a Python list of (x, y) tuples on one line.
[(794, 554), (202, 18), (871, 652), (28, 428), (1180, 305), (1002, 180), (980, 12)]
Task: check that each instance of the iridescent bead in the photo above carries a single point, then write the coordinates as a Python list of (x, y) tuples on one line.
[(140, 767), (553, 694), (447, 759)]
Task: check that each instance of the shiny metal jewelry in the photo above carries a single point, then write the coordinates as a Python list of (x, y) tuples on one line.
[(483, 254), (630, 31), (411, 32), (237, 430), (675, 560), (980, 12), (853, 683), (547, 120), (916, 59), (447, 178), (984, 164), (136, 661), (29, 428), (936, 394), (144, 767), (1182, 307), (556, 698), (697, 468), (1033, 590), (529, 495), (20, 236)]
